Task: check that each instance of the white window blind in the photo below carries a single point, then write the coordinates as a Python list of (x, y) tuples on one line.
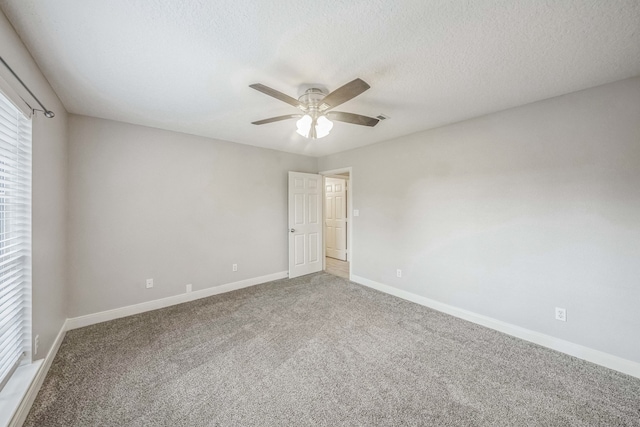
[(15, 238)]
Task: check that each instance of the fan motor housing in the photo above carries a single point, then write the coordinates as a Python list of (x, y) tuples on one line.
[(312, 97)]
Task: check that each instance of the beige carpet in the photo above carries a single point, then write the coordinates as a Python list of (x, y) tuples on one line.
[(321, 351)]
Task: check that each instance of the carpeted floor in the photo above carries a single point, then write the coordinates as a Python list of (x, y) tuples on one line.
[(318, 350)]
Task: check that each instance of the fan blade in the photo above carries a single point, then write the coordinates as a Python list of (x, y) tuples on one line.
[(276, 119), (344, 93), (355, 119), (276, 94)]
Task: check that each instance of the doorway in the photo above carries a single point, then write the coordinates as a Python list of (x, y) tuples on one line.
[(337, 222)]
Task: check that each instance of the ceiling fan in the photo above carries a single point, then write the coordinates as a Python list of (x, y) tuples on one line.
[(315, 120)]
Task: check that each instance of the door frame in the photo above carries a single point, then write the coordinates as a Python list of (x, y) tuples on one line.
[(350, 256)]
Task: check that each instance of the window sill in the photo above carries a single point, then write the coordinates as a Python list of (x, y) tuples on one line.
[(16, 390)]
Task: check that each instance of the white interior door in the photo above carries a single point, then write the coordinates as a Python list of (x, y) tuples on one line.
[(336, 218), (305, 223)]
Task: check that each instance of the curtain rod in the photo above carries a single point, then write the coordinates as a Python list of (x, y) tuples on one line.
[(47, 113)]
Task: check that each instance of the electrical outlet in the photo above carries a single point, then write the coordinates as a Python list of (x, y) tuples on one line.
[(149, 283), (561, 314), (399, 273), (189, 288), (234, 267), (36, 344)]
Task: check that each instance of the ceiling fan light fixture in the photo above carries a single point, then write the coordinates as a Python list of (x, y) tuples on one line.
[(304, 125), (323, 126)]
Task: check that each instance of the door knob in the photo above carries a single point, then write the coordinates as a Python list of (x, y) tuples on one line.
[(293, 230)]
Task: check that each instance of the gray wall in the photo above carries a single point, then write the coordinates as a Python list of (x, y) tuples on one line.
[(512, 214), (49, 207), (148, 203)]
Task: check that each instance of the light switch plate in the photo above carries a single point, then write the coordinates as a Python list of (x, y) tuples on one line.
[(356, 212)]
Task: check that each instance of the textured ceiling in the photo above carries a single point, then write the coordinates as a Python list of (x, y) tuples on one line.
[(186, 65)]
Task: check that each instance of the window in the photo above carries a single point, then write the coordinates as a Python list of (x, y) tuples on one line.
[(15, 238)]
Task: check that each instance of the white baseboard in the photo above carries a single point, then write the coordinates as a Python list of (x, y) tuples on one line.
[(25, 405), (594, 356), (103, 316)]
